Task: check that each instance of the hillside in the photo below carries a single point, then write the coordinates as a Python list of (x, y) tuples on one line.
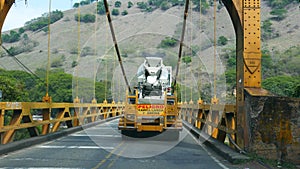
[(139, 34)]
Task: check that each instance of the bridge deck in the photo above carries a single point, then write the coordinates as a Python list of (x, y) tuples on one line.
[(102, 147)]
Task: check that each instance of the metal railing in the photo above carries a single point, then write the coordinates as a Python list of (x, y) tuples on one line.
[(52, 116), (216, 120)]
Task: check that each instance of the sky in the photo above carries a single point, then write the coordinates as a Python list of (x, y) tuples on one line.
[(20, 12)]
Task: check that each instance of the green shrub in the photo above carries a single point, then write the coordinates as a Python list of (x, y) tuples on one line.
[(87, 18), (86, 51), (21, 30), (176, 2), (15, 50), (57, 62), (142, 5), (74, 50), (279, 4), (130, 4), (100, 8), (74, 64), (86, 2), (230, 75), (118, 4), (203, 4), (156, 3), (165, 5), (125, 12), (195, 50), (268, 30), (279, 14), (76, 5), (115, 12), (222, 40), (187, 59), (168, 42)]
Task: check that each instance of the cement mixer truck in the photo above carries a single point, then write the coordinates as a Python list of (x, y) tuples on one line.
[(152, 107)]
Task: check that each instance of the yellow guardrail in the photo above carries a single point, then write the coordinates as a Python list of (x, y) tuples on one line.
[(216, 120), (21, 115)]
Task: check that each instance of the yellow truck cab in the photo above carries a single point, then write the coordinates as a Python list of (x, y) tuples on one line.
[(144, 117)]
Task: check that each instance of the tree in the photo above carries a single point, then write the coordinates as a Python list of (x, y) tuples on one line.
[(297, 91), (13, 90), (12, 37), (76, 5), (230, 75), (41, 22), (282, 85)]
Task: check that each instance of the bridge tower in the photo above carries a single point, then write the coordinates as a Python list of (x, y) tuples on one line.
[(245, 16)]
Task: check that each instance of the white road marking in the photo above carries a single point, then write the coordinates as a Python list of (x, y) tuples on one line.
[(214, 158), (75, 147), (93, 135), (44, 168)]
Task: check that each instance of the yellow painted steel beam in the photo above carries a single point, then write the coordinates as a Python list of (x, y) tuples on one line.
[(245, 15), (252, 49), (22, 110), (15, 121), (213, 119)]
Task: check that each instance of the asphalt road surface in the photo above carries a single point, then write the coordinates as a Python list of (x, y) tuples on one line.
[(102, 146)]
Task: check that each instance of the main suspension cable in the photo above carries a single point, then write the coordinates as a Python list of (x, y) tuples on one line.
[(24, 67), (116, 44), (181, 40)]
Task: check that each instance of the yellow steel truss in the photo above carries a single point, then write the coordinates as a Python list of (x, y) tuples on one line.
[(73, 114)]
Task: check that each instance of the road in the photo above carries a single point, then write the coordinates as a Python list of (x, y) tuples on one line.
[(103, 147)]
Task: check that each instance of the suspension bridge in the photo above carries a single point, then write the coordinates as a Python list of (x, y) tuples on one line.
[(93, 140)]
